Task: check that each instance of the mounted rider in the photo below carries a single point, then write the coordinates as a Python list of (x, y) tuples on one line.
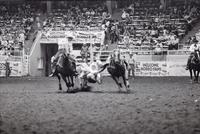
[(119, 59), (194, 48), (58, 58)]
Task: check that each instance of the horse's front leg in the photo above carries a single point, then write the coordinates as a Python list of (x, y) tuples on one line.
[(72, 81), (67, 83), (195, 76), (117, 82), (191, 77), (60, 86), (126, 83)]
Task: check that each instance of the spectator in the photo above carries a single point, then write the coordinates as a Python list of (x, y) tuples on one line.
[(84, 52), (158, 49)]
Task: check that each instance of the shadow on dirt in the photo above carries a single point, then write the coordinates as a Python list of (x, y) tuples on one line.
[(89, 90)]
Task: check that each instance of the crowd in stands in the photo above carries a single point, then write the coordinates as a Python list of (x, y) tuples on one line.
[(143, 25), (149, 26), (15, 26), (76, 17)]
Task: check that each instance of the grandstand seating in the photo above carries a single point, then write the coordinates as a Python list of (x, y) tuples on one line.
[(76, 18), (147, 23), (15, 24), (145, 27)]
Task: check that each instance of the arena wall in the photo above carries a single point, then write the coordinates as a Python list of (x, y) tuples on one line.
[(172, 63)]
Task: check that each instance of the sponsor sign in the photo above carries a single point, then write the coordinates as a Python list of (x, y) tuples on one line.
[(150, 68), (15, 68), (57, 34), (79, 36)]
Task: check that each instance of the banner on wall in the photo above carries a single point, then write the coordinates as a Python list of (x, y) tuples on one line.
[(57, 34), (150, 68), (79, 36), (15, 68), (87, 36)]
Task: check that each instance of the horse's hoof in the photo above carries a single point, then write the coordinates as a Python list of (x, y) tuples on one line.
[(59, 91), (120, 91), (128, 91)]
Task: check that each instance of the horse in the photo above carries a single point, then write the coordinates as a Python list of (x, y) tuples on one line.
[(64, 67), (194, 67), (117, 70)]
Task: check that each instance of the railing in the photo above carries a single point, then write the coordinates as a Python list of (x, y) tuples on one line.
[(104, 54), (149, 52), (10, 58)]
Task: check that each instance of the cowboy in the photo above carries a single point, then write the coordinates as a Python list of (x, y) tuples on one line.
[(120, 59), (91, 71), (58, 59), (193, 49)]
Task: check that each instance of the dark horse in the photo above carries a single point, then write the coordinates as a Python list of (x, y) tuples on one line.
[(117, 70), (64, 67), (194, 67)]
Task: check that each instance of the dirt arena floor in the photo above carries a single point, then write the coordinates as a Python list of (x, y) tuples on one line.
[(169, 105)]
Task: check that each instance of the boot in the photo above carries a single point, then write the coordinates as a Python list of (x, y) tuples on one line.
[(53, 73), (187, 67)]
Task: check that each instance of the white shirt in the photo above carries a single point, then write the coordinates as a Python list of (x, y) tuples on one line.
[(158, 49), (193, 47), (95, 66), (108, 60), (92, 68), (123, 15), (21, 37), (107, 23)]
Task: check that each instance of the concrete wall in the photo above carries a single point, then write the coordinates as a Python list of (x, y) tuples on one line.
[(36, 58)]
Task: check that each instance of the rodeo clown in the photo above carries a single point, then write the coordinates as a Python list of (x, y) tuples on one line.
[(57, 60), (91, 71)]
